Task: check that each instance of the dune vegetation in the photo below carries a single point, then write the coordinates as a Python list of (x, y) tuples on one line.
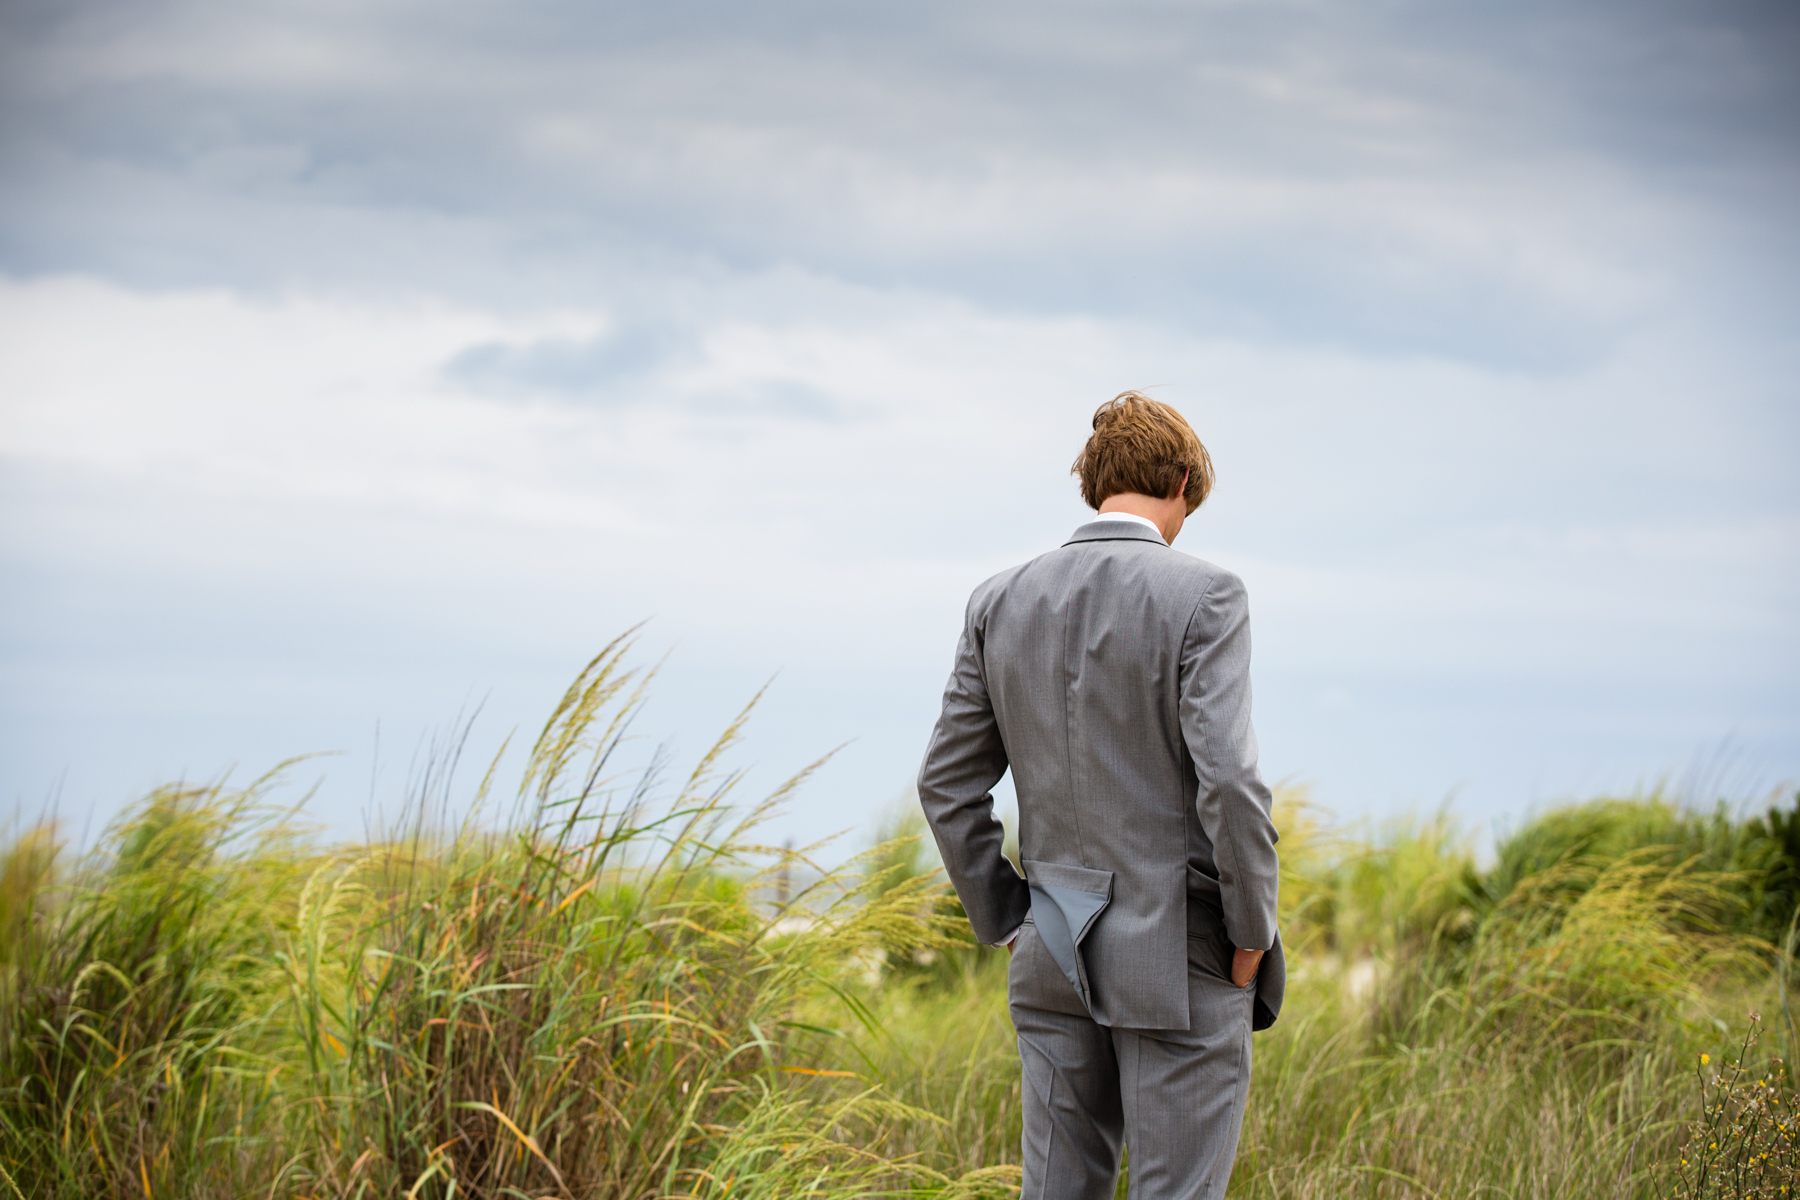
[(589, 985)]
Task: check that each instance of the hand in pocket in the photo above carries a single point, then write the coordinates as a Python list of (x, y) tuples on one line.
[(1243, 966)]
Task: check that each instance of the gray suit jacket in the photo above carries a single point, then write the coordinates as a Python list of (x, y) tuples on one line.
[(1113, 676)]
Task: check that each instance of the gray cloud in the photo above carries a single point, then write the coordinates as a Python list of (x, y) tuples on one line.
[(640, 362), (1510, 187), (596, 368)]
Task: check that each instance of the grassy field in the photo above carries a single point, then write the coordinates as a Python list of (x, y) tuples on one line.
[(583, 986)]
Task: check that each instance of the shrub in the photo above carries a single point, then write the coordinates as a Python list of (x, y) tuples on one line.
[(1746, 1141)]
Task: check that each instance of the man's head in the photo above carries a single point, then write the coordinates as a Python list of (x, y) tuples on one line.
[(1143, 447)]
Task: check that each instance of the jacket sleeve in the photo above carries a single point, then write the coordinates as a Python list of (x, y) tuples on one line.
[(963, 762), (1234, 803)]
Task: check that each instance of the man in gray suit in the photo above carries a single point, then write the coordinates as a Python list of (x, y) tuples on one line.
[(1112, 676)]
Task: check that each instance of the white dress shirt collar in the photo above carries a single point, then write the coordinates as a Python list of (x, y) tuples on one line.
[(1146, 522)]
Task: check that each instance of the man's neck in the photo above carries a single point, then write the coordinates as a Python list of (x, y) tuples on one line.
[(1165, 516)]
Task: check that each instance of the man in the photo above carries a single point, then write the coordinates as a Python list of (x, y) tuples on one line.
[(1113, 677)]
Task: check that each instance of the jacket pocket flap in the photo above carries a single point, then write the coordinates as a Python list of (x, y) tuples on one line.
[(1078, 908), (1067, 875), (1078, 893)]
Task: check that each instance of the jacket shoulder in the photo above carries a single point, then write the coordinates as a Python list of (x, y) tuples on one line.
[(1183, 577), (1215, 577), (993, 586)]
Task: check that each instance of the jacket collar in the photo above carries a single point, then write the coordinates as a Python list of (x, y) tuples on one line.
[(1115, 531)]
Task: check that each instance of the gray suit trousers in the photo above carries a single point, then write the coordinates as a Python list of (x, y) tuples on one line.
[(1174, 1098)]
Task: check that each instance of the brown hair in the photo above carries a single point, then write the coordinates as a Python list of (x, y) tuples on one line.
[(1142, 445)]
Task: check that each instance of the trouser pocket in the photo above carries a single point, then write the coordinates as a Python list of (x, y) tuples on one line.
[(1208, 947)]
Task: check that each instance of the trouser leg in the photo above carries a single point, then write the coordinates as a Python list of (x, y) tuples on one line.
[(1070, 1084), (1071, 1102), (1183, 1094)]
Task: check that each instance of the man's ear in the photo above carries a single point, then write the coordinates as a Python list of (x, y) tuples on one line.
[(1180, 488)]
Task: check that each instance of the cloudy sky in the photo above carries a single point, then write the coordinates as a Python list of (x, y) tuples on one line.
[(364, 365)]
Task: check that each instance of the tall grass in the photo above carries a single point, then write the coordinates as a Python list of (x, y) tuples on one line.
[(600, 984), (1437, 1041), (136, 986), (593, 995)]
